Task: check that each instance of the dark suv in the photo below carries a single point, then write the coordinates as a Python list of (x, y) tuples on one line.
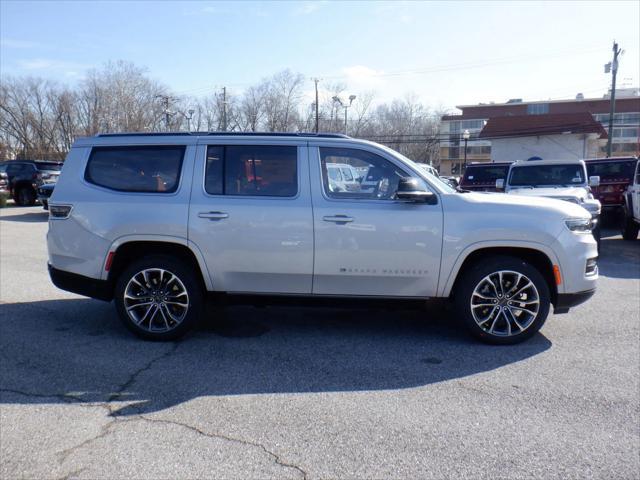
[(25, 176)]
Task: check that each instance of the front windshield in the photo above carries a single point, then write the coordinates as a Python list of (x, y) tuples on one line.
[(546, 175)]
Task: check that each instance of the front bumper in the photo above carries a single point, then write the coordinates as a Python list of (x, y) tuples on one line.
[(565, 301)]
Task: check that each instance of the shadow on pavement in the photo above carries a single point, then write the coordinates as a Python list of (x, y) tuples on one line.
[(76, 350), (30, 217), (619, 258)]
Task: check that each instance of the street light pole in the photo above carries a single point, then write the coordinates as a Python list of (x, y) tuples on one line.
[(337, 100), (465, 136)]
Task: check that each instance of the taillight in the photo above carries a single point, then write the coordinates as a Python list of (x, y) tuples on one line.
[(59, 211)]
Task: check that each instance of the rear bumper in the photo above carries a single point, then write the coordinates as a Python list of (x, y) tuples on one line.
[(565, 301), (74, 283)]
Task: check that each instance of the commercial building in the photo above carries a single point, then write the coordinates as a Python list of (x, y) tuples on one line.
[(625, 139)]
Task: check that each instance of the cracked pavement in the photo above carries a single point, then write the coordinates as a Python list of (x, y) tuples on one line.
[(311, 393)]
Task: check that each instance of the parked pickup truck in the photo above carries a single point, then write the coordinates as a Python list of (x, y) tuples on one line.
[(158, 221), (631, 208), (558, 179)]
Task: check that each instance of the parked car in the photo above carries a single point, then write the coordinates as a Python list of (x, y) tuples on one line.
[(481, 177), (25, 176), (560, 179), (44, 192), (454, 182), (631, 208), (428, 168), (158, 221), (342, 177), (616, 174)]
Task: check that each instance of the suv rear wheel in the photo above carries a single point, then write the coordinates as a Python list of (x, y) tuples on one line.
[(502, 300), (629, 228), (159, 298)]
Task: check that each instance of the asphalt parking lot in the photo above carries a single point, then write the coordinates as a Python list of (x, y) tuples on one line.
[(311, 393)]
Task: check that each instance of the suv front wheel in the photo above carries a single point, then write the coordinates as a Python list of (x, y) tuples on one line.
[(158, 298), (502, 300)]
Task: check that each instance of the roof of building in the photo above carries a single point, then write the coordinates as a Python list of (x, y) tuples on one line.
[(536, 125), (592, 105)]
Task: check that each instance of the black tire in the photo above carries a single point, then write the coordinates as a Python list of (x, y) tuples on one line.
[(187, 279), (474, 276), (630, 229), (25, 197), (597, 233)]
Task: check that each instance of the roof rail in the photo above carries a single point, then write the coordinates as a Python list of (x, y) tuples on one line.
[(223, 134)]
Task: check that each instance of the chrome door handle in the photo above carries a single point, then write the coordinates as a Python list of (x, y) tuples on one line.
[(337, 218), (213, 215)]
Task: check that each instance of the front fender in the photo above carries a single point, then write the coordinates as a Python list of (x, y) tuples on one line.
[(454, 269)]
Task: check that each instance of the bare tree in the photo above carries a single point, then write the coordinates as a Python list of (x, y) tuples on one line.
[(39, 118)]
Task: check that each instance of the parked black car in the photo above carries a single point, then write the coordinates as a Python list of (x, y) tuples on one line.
[(25, 176), (44, 192)]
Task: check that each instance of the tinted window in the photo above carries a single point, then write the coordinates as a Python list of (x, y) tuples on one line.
[(541, 175), (612, 169), (214, 172), (485, 174), (49, 166), (136, 169), (262, 170), (379, 182)]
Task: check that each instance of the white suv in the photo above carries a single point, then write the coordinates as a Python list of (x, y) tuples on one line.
[(631, 208), (560, 179), (158, 221)]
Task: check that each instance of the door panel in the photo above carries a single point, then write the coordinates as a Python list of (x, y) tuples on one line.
[(253, 243), (372, 244)]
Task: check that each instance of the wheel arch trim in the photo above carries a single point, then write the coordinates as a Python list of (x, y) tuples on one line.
[(455, 270), (168, 239)]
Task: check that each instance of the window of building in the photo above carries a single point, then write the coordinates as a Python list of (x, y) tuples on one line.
[(628, 132), (378, 179), (152, 169), (252, 170), (454, 127), (537, 108), (472, 124)]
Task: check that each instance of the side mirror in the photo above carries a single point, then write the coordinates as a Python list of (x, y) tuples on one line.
[(500, 184), (594, 181), (411, 190)]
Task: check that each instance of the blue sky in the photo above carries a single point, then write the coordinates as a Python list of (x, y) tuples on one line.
[(447, 53)]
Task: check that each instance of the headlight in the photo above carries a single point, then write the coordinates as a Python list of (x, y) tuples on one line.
[(579, 225)]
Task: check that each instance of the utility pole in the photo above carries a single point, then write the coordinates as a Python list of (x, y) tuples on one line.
[(613, 66), (167, 113), (224, 109), (316, 80)]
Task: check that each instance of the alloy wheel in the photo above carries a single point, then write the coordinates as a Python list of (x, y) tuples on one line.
[(505, 303), (156, 300)]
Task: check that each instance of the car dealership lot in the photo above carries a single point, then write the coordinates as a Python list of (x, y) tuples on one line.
[(318, 393)]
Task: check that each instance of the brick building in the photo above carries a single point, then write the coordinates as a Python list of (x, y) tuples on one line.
[(626, 128)]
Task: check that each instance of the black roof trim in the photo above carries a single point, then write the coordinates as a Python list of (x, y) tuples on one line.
[(223, 134)]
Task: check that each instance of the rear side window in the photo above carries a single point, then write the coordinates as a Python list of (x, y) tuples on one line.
[(485, 174), (252, 170), (151, 169), (612, 169)]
